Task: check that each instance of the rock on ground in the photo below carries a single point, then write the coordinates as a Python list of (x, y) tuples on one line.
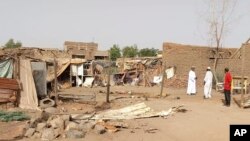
[(51, 110), (72, 126), (30, 132), (74, 134), (57, 123), (48, 134), (87, 126), (40, 127), (99, 129)]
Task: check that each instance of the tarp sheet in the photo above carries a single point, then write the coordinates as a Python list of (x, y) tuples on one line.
[(28, 96), (62, 64), (6, 68)]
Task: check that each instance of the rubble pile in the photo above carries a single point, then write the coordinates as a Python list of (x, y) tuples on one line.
[(49, 127), (177, 82)]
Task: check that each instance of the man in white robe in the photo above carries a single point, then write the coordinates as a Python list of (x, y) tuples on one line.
[(208, 80), (191, 89)]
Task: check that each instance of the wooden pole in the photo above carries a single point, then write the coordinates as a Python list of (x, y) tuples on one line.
[(163, 78), (70, 75), (108, 85), (242, 74), (55, 81)]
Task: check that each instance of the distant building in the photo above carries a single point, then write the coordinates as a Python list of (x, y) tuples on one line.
[(101, 55), (85, 50)]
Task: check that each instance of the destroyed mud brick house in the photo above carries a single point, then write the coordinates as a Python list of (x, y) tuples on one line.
[(85, 50), (185, 56), (30, 74), (143, 68)]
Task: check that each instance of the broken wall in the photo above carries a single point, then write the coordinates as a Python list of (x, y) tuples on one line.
[(185, 56)]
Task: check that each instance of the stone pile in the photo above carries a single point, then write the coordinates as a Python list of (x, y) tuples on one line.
[(48, 127)]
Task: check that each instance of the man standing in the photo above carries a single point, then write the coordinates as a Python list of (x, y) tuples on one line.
[(191, 89), (227, 86), (208, 80)]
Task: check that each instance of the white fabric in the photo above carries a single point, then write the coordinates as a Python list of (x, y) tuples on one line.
[(28, 95), (77, 69), (191, 89), (170, 72), (157, 79), (208, 84), (88, 81)]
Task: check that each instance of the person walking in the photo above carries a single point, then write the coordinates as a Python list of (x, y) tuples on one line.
[(208, 80), (191, 89), (227, 87)]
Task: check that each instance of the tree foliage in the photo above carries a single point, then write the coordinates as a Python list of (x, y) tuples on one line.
[(12, 44), (148, 52), (130, 51), (115, 52)]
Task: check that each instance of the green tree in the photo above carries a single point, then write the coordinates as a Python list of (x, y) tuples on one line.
[(148, 52), (130, 51), (12, 44), (115, 52)]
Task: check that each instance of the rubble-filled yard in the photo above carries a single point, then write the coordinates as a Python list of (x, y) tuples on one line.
[(134, 113)]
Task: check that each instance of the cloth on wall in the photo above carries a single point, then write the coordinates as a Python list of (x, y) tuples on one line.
[(28, 95), (77, 69), (6, 68)]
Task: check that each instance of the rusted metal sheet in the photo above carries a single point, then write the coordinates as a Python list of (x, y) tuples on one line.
[(8, 90), (11, 84)]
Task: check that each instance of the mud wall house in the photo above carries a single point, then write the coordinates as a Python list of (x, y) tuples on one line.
[(35, 70), (101, 55), (145, 68), (185, 56), (9, 85), (83, 50)]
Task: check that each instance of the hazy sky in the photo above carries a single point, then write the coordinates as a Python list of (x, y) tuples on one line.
[(147, 23)]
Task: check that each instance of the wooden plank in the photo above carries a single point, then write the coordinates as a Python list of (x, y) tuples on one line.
[(2, 100), (8, 81), (6, 91), (5, 96), (9, 86)]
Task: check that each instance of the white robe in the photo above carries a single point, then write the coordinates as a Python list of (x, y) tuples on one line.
[(208, 84), (191, 89)]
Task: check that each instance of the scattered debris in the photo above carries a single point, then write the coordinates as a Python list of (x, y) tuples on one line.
[(151, 130), (136, 111)]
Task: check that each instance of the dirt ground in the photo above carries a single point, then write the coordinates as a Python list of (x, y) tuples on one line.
[(205, 119)]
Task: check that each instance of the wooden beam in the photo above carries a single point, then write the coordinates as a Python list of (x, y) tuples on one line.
[(108, 85), (70, 76), (242, 74), (163, 78), (55, 81)]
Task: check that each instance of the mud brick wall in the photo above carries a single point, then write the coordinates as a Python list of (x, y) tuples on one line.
[(185, 56), (87, 49)]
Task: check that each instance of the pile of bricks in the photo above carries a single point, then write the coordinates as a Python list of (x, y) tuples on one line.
[(176, 82)]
